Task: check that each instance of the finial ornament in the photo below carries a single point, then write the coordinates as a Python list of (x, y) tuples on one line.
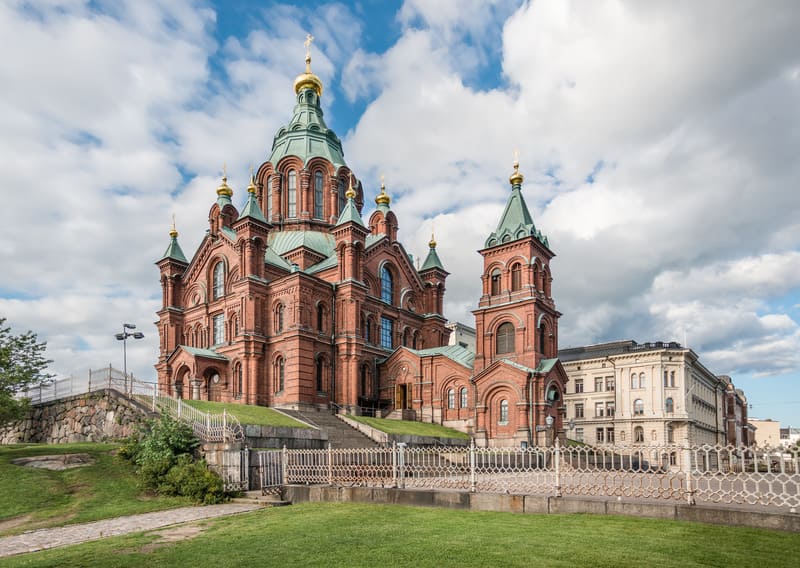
[(173, 232), (432, 243), (383, 198), (351, 193), (308, 80), (516, 178), (224, 188)]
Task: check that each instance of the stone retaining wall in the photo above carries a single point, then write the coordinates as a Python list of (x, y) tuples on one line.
[(545, 505), (276, 437), (95, 417)]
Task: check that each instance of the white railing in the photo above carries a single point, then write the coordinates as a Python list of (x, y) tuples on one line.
[(709, 474), (209, 427)]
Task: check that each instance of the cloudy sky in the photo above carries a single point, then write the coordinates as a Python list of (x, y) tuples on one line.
[(659, 141)]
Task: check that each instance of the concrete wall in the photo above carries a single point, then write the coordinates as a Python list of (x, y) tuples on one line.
[(543, 505), (98, 416), (276, 437)]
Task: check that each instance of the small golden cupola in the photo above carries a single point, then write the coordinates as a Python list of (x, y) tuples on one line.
[(382, 200), (308, 80)]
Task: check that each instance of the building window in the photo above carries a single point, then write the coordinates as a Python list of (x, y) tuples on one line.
[(634, 381), (238, 381), (342, 198), (387, 331), (579, 434), (578, 385), (516, 277), (503, 412), (505, 338), (291, 193), (464, 397), (666, 378), (269, 198), (672, 378), (669, 405), (320, 318), (218, 329), (638, 407), (611, 384), (319, 374), (318, 200), (387, 285), (670, 435), (611, 409), (495, 282), (280, 368), (579, 410), (598, 384), (218, 284), (638, 435), (542, 334), (598, 409), (610, 435), (367, 330), (673, 458), (278, 318), (641, 381), (599, 435), (365, 381), (451, 398)]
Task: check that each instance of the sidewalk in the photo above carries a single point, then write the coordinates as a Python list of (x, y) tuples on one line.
[(74, 534)]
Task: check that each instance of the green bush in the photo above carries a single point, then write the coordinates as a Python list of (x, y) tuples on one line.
[(162, 451)]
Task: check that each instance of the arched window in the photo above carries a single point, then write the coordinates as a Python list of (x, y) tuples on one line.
[(342, 198), (279, 318), (464, 397), (670, 436), (451, 398), (416, 343), (536, 276), (280, 368), (218, 284), (638, 407), (542, 335), (269, 198), (318, 195), (320, 317), (503, 412), (365, 381), (291, 193), (319, 373), (669, 405), (387, 285), (516, 277), (406, 337), (218, 329), (368, 331), (634, 381), (237, 380), (505, 338), (495, 282), (638, 435), (641, 380)]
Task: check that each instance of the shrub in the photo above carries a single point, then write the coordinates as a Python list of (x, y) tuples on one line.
[(194, 480)]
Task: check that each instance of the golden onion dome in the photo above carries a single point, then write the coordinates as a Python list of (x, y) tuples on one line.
[(308, 80), (516, 178), (173, 232), (350, 193), (432, 242), (383, 197), (252, 187), (224, 188)]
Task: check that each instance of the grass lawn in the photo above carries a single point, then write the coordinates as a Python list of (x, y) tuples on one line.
[(410, 428), (349, 534), (248, 413), (34, 498)]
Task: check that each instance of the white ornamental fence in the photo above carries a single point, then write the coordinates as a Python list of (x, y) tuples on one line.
[(696, 474)]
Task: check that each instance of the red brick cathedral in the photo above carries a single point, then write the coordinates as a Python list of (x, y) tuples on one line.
[(294, 301)]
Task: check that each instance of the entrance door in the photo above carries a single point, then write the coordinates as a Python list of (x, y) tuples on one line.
[(402, 400)]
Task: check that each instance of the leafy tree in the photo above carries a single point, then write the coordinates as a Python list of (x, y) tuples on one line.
[(22, 364)]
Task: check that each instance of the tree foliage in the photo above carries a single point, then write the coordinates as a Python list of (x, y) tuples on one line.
[(22, 364)]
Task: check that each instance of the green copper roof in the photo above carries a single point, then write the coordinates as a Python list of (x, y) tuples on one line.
[(271, 257), (516, 221), (284, 241), (209, 353), (431, 261), (350, 213), (174, 250), (252, 210), (545, 365), (455, 353), (307, 136)]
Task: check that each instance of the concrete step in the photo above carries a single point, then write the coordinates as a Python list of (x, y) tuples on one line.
[(340, 435), (257, 498)]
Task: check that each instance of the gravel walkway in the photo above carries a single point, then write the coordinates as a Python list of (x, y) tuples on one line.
[(74, 534)]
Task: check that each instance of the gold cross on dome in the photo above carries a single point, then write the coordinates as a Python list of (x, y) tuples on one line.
[(307, 43)]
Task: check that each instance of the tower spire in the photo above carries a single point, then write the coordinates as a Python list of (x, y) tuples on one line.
[(308, 80)]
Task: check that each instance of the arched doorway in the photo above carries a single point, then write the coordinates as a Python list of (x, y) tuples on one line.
[(214, 385)]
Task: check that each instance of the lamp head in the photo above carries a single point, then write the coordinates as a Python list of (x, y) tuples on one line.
[(129, 326), (120, 336), (138, 335), (549, 420)]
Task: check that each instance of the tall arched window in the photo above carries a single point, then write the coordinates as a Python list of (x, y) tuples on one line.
[(670, 435), (536, 276), (269, 198), (638, 435), (669, 405), (342, 198), (319, 373), (218, 280), (505, 338), (634, 381), (451, 398), (320, 318), (368, 331), (280, 368), (638, 407), (279, 318), (291, 193), (318, 195), (516, 277), (641, 380), (495, 282), (503, 411), (237, 380), (406, 337), (464, 397), (387, 285), (542, 335)]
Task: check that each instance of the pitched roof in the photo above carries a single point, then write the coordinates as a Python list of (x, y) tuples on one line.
[(350, 213), (455, 353), (516, 222), (252, 210), (208, 353), (174, 251), (431, 261)]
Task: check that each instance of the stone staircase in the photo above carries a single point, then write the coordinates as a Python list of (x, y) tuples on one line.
[(340, 435), (256, 497)]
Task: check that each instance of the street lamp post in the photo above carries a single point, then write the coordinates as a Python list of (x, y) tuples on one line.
[(123, 337)]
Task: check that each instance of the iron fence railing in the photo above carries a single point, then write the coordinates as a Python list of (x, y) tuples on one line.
[(709, 474)]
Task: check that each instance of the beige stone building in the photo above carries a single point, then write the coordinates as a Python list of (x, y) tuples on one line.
[(768, 432), (651, 394)]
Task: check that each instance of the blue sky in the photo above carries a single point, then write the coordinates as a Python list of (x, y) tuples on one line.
[(658, 141)]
